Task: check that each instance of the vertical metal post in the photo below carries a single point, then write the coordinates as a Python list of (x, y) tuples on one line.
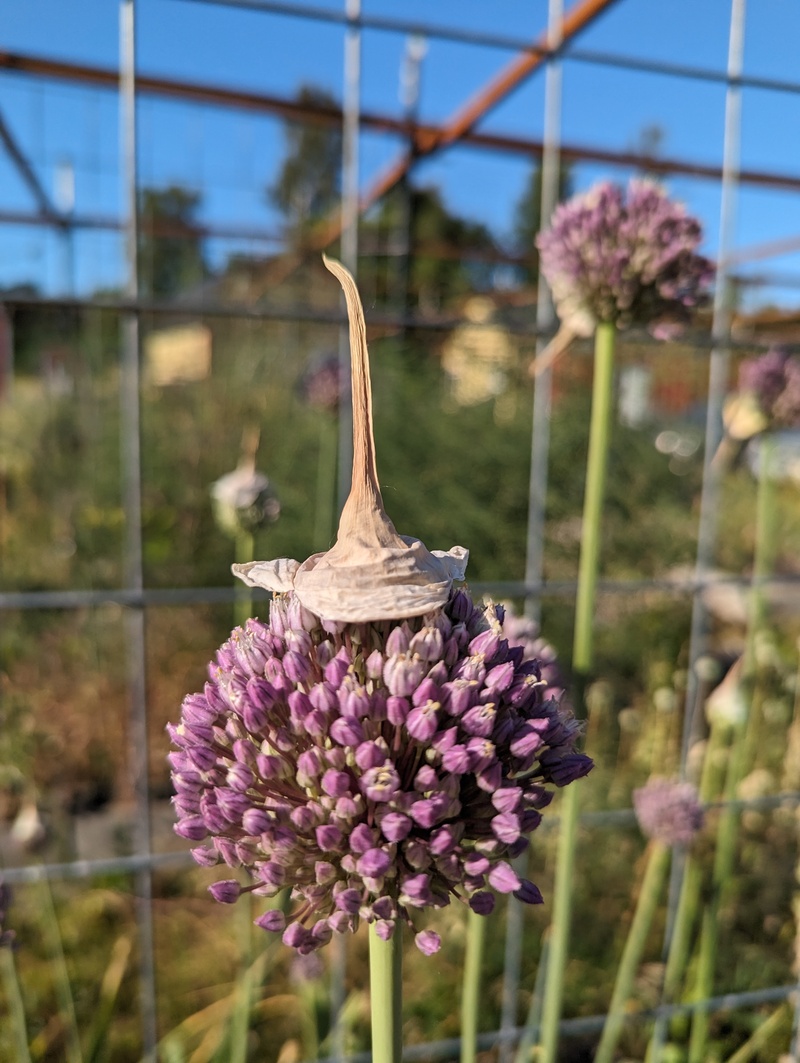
[(717, 385), (351, 119), (545, 319), (130, 442), (540, 445), (416, 47)]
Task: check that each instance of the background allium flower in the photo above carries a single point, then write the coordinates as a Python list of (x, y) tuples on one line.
[(373, 769), (773, 382), (669, 812), (244, 501), (624, 257), (321, 385)]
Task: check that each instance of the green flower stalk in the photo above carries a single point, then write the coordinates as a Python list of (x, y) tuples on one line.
[(470, 994), (582, 655), (670, 814), (613, 258)]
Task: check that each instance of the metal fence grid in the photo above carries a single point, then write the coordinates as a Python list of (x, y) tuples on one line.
[(556, 48)]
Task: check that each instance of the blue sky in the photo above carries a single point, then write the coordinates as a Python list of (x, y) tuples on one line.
[(230, 157)]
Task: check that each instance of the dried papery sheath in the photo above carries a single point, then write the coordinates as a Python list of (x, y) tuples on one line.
[(371, 572)]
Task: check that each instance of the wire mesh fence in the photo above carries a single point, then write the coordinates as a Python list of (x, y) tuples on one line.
[(153, 347)]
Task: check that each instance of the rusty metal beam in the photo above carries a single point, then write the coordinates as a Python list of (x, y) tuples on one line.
[(28, 175), (103, 77)]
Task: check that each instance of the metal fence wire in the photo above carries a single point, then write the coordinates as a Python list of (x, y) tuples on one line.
[(133, 599)]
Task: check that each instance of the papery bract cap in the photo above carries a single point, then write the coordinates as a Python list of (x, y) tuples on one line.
[(371, 572)]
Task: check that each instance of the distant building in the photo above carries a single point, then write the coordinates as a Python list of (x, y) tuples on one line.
[(178, 355)]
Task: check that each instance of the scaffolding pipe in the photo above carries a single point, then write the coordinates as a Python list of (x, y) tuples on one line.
[(717, 385), (540, 446), (131, 473)]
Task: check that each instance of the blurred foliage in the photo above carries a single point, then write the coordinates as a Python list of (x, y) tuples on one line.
[(170, 249)]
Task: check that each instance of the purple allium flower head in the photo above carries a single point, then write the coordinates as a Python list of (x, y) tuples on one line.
[(376, 816), (772, 381), (669, 812), (624, 256)]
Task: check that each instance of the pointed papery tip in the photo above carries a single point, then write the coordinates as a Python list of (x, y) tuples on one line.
[(371, 572)]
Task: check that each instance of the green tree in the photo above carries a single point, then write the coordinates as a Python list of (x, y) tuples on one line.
[(171, 257), (309, 181), (442, 256)]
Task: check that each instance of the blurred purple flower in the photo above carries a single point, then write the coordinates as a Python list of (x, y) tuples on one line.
[(627, 257), (321, 384), (773, 381), (669, 812), (339, 761)]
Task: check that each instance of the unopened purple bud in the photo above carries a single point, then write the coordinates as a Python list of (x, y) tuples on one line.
[(226, 892), (205, 857), (323, 697), (273, 920), (563, 769), (528, 893), (425, 812), (232, 804), (240, 778), (341, 922), (487, 645), (426, 779), (506, 827), (370, 755), (348, 900), (201, 757), (397, 710), (459, 696), (500, 678), (417, 854), (309, 764), (402, 675), (347, 731), (457, 760), (316, 723), (445, 839), (335, 783), (295, 936), (362, 838), (337, 669), (296, 667), (303, 818), (324, 872), (384, 928), (480, 720), (504, 878), (349, 807), (427, 644), (384, 908), (423, 720), (507, 798), (374, 665), (374, 863), (482, 903), (329, 837), (395, 826), (425, 692), (428, 942), (460, 607), (398, 641), (490, 777), (255, 821), (270, 766)]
